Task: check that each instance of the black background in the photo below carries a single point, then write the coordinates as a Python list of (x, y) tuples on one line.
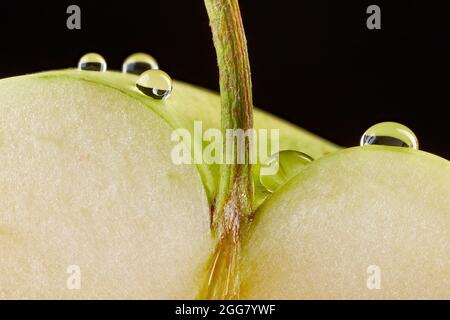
[(166, 309), (313, 62)]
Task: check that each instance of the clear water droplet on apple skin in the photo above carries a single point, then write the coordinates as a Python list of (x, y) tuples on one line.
[(92, 62), (390, 134), (290, 163), (155, 83), (138, 63)]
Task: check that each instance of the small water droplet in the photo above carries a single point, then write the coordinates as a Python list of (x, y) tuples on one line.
[(288, 162), (92, 62), (138, 63), (390, 134), (155, 83)]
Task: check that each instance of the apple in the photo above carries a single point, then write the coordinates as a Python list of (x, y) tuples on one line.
[(87, 180), (93, 206), (319, 235)]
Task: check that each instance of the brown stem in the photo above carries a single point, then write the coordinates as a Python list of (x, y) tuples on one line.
[(234, 198)]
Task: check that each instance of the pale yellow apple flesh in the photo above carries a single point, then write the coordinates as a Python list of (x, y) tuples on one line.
[(351, 216), (87, 180)]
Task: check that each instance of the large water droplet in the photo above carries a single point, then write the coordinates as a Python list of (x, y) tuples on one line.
[(282, 167), (138, 63), (92, 62), (155, 83), (390, 134)]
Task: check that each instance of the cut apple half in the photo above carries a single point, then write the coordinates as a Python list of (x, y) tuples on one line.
[(362, 223), (87, 181), (88, 184)]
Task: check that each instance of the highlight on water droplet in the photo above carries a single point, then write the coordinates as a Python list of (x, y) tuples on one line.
[(287, 164), (92, 62), (390, 134), (138, 63), (155, 83)]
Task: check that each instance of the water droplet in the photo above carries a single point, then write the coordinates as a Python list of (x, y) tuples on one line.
[(92, 62), (155, 83), (282, 167), (138, 63), (390, 134)]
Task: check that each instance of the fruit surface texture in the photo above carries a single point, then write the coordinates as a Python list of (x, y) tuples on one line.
[(87, 179), (319, 235)]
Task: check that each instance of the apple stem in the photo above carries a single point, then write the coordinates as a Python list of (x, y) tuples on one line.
[(233, 204)]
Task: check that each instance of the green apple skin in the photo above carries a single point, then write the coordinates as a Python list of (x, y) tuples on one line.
[(319, 235), (188, 104), (87, 180)]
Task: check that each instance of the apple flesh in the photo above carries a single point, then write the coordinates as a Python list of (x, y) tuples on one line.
[(360, 210), (87, 180)]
